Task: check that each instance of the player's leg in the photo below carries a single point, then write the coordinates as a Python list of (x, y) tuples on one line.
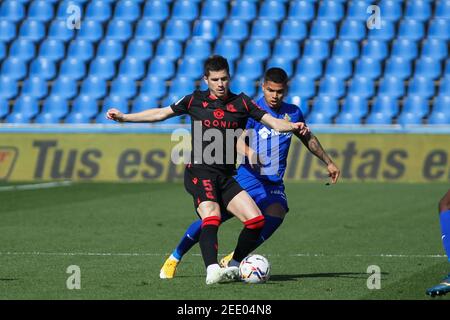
[(444, 218)]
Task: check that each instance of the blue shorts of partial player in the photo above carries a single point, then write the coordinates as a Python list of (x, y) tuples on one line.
[(264, 193)]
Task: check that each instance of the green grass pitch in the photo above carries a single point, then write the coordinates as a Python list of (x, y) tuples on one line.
[(120, 234)]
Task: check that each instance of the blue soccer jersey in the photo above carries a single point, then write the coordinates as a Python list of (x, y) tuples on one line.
[(270, 144)]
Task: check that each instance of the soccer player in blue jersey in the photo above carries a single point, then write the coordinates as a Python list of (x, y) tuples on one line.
[(263, 180), (444, 217)]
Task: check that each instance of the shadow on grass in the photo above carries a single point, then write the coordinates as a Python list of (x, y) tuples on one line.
[(352, 275)]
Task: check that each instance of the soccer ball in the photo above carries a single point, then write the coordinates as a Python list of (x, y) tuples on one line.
[(254, 269)]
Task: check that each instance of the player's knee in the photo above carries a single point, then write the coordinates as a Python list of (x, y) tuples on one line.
[(255, 223)]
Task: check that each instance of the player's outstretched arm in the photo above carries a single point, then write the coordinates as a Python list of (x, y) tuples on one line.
[(314, 146), (150, 115), (244, 149), (282, 125)]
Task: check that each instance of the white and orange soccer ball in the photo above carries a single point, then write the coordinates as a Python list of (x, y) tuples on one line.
[(254, 269)]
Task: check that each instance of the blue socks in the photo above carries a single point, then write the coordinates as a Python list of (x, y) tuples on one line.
[(271, 224), (445, 228), (192, 234)]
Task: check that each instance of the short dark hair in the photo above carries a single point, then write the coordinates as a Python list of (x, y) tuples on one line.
[(215, 63), (276, 75)]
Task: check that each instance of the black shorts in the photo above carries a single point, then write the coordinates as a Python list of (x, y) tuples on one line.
[(206, 185)]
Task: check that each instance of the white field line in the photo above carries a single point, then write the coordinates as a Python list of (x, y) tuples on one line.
[(36, 186), (130, 254)]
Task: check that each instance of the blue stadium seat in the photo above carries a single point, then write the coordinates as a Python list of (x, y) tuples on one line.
[(156, 10), (418, 10), (228, 48), (114, 101), (144, 102), (442, 9), (257, 48), (162, 67), (441, 103), (376, 49), (439, 28), (286, 48), (281, 62), (190, 67), (427, 67), (235, 29), (309, 67), (170, 49), (249, 67), (340, 68), (73, 68), (272, 10), (12, 11), (409, 118), (292, 29), (439, 118), (332, 86), (77, 118), (91, 30), (170, 99), (110, 49), (316, 49), (184, 9), (9, 87), (197, 48), (140, 49), (264, 29), (345, 49), (64, 87), (119, 30), (391, 9), (361, 86), (102, 68), (215, 10), (40, 10), (301, 10), (7, 30), (315, 117), (32, 30), (399, 67), (26, 107), (447, 67), (177, 29), (206, 29), (23, 49), (4, 107), (132, 67), (53, 109), (434, 48), (368, 67), (421, 86), (416, 104), (330, 10), (356, 105), (444, 87), (86, 105), (99, 10), (243, 10), (391, 86), (323, 30), (302, 86), (386, 105), (153, 86), (181, 86), (66, 8), (52, 49), (35, 87), (94, 87), (123, 86), (386, 31), (148, 30), (405, 49), (326, 105), (352, 30), (411, 29), (59, 31), (14, 68), (126, 10), (81, 49), (357, 10)]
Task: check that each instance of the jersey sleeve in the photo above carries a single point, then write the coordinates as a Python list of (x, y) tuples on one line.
[(253, 109), (182, 106)]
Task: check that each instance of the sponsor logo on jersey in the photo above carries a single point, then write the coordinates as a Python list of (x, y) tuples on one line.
[(219, 114)]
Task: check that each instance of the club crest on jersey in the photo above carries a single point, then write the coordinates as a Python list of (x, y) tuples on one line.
[(231, 108), (287, 117), (219, 114)]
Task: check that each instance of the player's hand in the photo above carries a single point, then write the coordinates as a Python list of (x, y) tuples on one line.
[(255, 161), (114, 114), (333, 172), (301, 128)]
